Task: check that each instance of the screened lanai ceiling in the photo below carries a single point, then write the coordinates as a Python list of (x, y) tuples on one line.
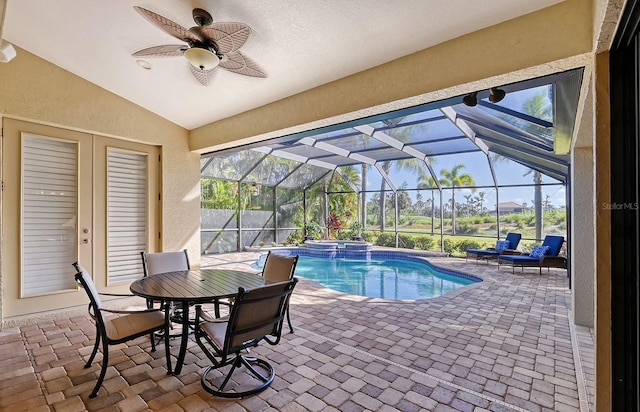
[(531, 126)]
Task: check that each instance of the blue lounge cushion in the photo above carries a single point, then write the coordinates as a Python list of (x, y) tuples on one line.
[(514, 239), (515, 259), (482, 251), (554, 243), (539, 251), (502, 245)]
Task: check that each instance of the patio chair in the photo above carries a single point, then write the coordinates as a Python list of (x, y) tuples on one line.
[(155, 263), (507, 246), (163, 262), (278, 268), (545, 255), (256, 315), (125, 326)]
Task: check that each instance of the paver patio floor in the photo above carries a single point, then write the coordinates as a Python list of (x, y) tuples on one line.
[(501, 345)]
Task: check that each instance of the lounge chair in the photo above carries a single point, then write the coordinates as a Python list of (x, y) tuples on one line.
[(502, 246), (545, 255)]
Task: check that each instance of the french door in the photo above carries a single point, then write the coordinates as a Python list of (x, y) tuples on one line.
[(72, 196)]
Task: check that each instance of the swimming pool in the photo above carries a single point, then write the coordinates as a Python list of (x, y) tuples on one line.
[(395, 279)]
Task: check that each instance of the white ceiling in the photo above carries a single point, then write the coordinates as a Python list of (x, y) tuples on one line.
[(300, 44)]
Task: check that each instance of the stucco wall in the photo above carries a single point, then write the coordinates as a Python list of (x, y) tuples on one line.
[(551, 40), (32, 89)]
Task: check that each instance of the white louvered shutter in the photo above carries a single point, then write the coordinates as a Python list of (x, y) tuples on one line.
[(49, 212), (127, 214)]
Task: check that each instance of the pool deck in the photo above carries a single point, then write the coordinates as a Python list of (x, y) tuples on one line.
[(505, 344)]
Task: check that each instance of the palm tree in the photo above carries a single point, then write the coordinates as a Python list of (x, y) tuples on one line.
[(481, 200), (537, 200), (454, 179), (468, 198), (537, 106), (426, 181), (403, 134), (410, 165)]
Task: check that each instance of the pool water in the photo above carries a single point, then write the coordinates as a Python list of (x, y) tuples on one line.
[(388, 279)]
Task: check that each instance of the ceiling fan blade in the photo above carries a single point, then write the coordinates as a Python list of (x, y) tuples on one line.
[(238, 63), (168, 26), (203, 76), (167, 50), (229, 36)]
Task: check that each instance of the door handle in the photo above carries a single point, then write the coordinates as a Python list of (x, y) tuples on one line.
[(86, 241)]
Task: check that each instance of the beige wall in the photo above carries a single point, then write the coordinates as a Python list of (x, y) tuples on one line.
[(548, 41), (32, 89)]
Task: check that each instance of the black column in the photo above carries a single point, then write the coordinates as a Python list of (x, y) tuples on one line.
[(625, 126)]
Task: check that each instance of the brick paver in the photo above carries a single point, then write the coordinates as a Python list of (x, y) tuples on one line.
[(503, 344)]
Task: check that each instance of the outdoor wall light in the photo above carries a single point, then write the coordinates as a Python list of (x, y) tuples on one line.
[(471, 99), (496, 95)]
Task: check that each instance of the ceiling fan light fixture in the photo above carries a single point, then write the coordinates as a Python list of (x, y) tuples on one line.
[(202, 59)]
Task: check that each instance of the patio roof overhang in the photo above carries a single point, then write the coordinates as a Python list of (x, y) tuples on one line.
[(532, 126)]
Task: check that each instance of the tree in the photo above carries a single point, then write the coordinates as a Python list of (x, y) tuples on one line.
[(426, 181), (481, 199), (404, 135), (468, 198), (454, 178), (536, 106), (540, 107)]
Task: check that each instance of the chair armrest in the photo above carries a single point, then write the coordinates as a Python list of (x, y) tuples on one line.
[(202, 314), (131, 311), (124, 295)]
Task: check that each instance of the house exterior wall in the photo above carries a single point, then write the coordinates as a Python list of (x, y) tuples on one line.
[(35, 90)]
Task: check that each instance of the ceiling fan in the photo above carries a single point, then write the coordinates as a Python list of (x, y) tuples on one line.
[(209, 45)]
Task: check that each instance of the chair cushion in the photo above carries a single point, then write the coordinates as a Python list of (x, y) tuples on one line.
[(216, 331), (125, 326), (514, 259), (502, 245), (482, 251), (514, 239), (554, 243), (539, 251)]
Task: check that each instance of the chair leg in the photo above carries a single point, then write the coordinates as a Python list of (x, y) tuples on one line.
[(95, 348), (289, 320), (250, 365), (153, 343), (167, 349), (103, 370)]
